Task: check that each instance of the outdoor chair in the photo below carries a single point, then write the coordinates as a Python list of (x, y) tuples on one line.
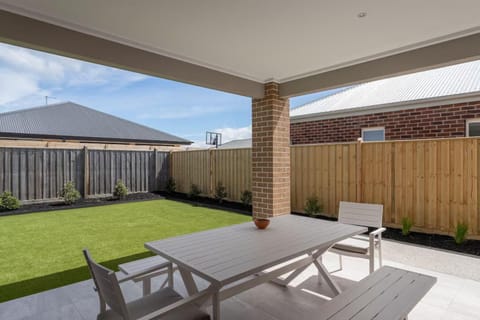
[(366, 215), (163, 304), (148, 268)]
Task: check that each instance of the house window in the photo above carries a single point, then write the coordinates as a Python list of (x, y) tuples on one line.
[(473, 127), (373, 134)]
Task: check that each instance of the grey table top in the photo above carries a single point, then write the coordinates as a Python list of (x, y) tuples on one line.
[(228, 254)]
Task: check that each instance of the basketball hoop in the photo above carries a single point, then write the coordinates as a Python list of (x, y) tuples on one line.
[(213, 138)]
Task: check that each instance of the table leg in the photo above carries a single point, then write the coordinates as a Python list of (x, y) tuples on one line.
[(170, 275), (147, 289), (216, 306), (187, 278), (323, 272), (285, 282)]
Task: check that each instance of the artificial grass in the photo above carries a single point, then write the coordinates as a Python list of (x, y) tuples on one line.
[(40, 251)]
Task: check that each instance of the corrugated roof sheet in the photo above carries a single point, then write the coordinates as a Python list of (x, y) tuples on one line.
[(442, 82), (236, 144), (73, 121)]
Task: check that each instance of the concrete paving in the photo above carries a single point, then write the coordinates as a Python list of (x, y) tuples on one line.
[(455, 296)]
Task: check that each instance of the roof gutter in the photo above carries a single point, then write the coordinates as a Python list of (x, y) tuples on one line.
[(90, 139), (387, 107)]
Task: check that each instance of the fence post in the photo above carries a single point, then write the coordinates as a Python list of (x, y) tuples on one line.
[(170, 164), (86, 173), (155, 170), (211, 165), (359, 170)]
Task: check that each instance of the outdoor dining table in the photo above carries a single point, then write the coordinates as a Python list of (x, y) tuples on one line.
[(237, 258)]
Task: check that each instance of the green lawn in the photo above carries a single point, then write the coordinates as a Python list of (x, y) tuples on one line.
[(40, 251)]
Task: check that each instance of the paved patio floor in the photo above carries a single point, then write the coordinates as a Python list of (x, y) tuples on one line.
[(455, 296)]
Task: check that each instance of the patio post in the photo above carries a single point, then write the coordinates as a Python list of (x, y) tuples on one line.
[(270, 153)]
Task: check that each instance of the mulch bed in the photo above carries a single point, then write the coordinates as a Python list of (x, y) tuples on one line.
[(82, 203), (209, 203), (436, 241)]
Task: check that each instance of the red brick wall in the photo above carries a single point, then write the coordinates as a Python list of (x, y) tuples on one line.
[(422, 123)]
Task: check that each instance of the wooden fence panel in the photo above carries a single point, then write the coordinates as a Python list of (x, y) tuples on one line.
[(206, 168), (233, 168), (36, 174), (328, 172), (141, 171), (433, 182), (192, 167)]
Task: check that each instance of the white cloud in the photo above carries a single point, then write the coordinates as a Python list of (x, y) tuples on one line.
[(229, 134), (14, 85), (26, 72)]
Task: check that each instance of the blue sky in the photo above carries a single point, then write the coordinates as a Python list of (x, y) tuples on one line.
[(27, 76)]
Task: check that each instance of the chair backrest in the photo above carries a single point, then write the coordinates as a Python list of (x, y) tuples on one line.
[(107, 286), (361, 214)]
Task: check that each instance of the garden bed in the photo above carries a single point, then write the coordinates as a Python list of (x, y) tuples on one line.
[(429, 240), (209, 202), (435, 241), (82, 203)]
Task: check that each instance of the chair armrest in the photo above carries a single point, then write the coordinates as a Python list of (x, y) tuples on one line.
[(377, 232), (142, 273), (186, 302)]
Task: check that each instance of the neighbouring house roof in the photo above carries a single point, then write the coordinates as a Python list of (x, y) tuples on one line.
[(236, 144), (71, 121), (452, 82)]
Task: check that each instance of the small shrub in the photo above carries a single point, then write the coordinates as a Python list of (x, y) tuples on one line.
[(313, 206), (194, 191), (220, 192), (407, 224), (120, 191), (461, 233), (8, 202), (246, 198), (69, 194), (171, 186)]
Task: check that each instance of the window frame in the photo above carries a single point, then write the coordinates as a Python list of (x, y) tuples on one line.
[(467, 128), (373, 129)]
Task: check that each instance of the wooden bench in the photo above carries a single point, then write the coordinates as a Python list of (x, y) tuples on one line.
[(388, 293)]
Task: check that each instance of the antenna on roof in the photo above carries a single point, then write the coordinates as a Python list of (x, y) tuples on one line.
[(213, 138), (46, 99)]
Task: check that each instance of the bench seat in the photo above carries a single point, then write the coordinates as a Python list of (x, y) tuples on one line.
[(150, 263), (148, 268), (387, 294)]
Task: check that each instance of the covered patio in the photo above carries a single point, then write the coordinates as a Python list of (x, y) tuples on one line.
[(269, 51)]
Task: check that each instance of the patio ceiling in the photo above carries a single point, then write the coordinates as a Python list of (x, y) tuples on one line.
[(236, 46)]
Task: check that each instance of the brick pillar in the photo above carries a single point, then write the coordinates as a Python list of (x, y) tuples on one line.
[(270, 154)]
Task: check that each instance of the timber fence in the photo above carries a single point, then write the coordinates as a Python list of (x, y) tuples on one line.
[(36, 174), (433, 182)]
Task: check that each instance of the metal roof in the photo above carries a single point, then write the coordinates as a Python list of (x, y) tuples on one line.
[(71, 121), (445, 82), (236, 144)]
